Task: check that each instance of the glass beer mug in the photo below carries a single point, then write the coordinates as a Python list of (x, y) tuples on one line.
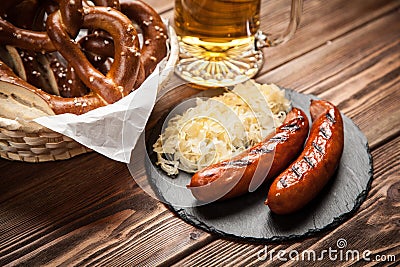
[(220, 41)]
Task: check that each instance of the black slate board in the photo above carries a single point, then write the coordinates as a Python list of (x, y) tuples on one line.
[(247, 218)]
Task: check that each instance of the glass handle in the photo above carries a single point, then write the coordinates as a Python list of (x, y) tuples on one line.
[(267, 40)]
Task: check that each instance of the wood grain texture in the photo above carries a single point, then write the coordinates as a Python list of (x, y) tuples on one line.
[(89, 211), (161, 6), (84, 215), (322, 21)]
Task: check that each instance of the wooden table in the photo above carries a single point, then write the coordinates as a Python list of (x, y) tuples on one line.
[(89, 211)]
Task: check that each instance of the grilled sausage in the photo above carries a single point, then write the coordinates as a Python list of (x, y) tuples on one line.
[(248, 170), (308, 174)]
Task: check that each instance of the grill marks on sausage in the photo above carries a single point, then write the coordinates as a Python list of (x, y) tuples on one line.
[(283, 182), (273, 141), (325, 132), (330, 117), (278, 138), (296, 171), (269, 146), (308, 174), (263, 149), (309, 161), (239, 162), (291, 127), (318, 148)]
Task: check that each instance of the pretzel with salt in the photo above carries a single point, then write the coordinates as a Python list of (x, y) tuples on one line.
[(153, 30), (126, 72)]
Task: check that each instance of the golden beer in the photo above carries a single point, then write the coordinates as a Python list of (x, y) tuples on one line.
[(217, 21), (217, 40)]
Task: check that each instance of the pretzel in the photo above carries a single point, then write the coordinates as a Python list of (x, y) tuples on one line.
[(153, 30), (120, 79), (76, 105), (72, 17), (7, 4), (38, 71), (25, 15), (25, 39), (80, 69), (74, 88), (97, 47)]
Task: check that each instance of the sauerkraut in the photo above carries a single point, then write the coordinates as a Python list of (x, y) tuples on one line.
[(220, 127)]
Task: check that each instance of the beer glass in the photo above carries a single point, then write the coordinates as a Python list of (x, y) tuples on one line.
[(220, 41)]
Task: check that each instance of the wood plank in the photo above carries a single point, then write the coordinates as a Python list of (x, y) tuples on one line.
[(306, 74), (322, 21), (88, 220), (160, 6), (34, 216), (374, 227), (360, 83)]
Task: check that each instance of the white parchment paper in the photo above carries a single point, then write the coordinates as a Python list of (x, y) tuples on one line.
[(111, 130)]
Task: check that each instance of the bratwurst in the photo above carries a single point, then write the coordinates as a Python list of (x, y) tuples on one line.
[(251, 168), (309, 173)]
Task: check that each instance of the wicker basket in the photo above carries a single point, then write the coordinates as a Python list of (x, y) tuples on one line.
[(38, 147), (42, 144)]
